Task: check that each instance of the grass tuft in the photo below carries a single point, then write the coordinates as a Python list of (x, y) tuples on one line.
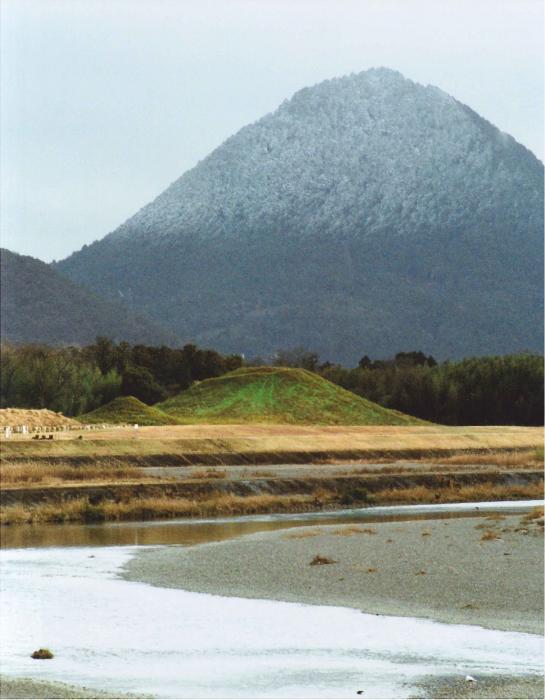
[(301, 535), (535, 514), (320, 560), (209, 474), (354, 530)]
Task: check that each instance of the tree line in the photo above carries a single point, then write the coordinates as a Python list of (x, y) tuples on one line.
[(495, 390), (76, 380), (502, 390)]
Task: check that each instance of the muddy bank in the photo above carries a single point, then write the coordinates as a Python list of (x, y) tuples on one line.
[(447, 570)]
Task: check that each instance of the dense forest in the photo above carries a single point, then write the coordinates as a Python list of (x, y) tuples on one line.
[(506, 390), (77, 380), (39, 305)]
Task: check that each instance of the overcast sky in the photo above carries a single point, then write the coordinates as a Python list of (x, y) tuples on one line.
[(105, 103)]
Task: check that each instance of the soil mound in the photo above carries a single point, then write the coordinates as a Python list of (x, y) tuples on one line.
[(35, 418)]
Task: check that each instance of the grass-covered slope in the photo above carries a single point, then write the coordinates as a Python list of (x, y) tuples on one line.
[(276, 395), (127, 409)]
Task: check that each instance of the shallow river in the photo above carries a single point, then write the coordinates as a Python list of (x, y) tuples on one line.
[(118, 635), (198, 531)]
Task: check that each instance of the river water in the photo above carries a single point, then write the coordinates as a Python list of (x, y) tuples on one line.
[(191, 531), (124, 636)]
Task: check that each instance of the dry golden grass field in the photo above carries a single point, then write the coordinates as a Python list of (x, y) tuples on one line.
[(192, 470), (241, 439)]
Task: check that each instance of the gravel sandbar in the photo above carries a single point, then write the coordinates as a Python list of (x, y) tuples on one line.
[(478, 570), (494, 687), (11, 687)]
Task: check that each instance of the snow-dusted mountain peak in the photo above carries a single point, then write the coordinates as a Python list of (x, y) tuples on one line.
[(371, 184)]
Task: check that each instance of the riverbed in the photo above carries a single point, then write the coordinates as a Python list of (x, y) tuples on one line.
[(128, 636)]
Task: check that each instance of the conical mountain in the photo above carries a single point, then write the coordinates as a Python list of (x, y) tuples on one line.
[(367, 214)]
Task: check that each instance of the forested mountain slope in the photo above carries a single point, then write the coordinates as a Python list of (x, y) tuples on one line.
[(39, 305), (367, 214)]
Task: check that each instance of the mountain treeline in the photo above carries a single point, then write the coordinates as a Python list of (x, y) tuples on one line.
[(503, 390), (77, 380), (499, 390)]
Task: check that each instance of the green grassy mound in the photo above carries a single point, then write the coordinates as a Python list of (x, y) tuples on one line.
[(128, 409), (277, 395)]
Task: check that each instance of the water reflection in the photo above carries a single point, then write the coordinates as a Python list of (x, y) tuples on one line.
[(193, 531)]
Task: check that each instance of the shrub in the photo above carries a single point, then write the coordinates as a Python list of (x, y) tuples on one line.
[(357, 494), (41, 654), (93, 513)]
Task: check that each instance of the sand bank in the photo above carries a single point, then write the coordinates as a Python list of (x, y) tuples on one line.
[(448, 570), (530, 687), (29, 688)]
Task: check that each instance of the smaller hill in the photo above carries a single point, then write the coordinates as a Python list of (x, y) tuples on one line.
[(39, 305), (277, 395), (127, 409)]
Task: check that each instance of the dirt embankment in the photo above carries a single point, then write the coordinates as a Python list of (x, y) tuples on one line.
[(225, 459), (348, 490), (79, 477)]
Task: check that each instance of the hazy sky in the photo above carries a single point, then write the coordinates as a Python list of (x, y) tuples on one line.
[(106, 102)]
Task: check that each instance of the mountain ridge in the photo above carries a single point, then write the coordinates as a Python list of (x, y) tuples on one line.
[(39, 305)]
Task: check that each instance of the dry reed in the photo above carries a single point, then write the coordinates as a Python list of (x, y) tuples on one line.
[(497, 458), (44, 473), (147, 508), (485, 491), (535, 514)]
